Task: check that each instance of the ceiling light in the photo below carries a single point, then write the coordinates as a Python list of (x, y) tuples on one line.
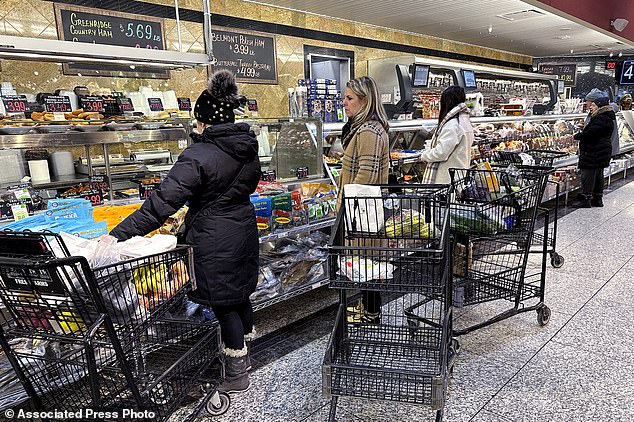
[(132, 66), (620, 54), (36, 73), (611, 54), (572, 51), (490, 28)]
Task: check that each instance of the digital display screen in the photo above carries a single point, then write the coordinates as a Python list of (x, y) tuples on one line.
[(627, 73), (469, 78), (420, 75)]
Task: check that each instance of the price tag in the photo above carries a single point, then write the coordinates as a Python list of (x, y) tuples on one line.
[(269, 176), (15, 104), (20, 211), (111, 107), (155, 104), (92, 104), (252, 105), (147, 189), (95, 196), (125, 104), (184, 104), (57, 104), (302, 172), (100, 182)]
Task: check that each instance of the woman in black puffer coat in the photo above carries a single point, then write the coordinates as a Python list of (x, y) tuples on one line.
[(595, 150), (215, 175)]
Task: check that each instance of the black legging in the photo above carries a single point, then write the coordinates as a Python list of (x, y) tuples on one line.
[(235, 321)]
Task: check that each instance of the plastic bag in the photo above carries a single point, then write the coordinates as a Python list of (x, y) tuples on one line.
[(359, 269)]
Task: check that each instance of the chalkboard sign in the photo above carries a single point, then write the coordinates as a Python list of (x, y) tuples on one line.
[(564, 72), (83, 24), (97, 26), (155, 104), (251, 56), (57, 104)]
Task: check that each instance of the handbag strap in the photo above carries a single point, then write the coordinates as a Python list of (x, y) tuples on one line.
[(209, 204)]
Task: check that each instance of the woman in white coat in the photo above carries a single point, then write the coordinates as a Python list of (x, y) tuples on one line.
[(450, 147)]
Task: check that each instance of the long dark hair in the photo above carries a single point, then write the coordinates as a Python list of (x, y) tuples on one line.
[(450, 98)]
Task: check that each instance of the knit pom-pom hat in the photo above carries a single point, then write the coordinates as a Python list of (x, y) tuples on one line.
[(216, 103)]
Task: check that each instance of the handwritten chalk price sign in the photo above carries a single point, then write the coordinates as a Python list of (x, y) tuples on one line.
[(83, 24), (251, 56)]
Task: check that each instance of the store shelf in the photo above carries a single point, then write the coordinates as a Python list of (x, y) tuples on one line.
[(297, 230), (40, 140), (300, 290)]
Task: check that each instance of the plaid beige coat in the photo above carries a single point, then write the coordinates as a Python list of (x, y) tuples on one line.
[(366, 160)]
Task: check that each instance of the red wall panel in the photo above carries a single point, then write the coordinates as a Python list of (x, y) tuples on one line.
[(598, 13)]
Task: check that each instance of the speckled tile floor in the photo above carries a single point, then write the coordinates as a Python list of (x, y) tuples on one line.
[(579, 367)]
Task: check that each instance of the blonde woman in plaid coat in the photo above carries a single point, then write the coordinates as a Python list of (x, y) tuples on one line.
[(365, 160)]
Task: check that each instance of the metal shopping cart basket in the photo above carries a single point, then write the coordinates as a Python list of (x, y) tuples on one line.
[(393, 243), (103, 339), (542, 158), (492, 218)]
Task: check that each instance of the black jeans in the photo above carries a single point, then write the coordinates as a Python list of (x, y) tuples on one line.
[(371, 301), (235, 321), (591, 182)]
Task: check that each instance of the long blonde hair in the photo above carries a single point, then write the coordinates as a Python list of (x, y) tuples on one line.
[(365, 88)]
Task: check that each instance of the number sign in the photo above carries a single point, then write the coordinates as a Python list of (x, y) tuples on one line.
[(627, 73)]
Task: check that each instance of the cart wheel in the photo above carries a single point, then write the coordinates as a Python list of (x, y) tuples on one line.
[(543, 315), (218, 404), (556, 260), (162, 394), (455, 343)]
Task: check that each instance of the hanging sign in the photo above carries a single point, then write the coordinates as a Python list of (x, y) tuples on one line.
[(249, 55), (564, 72)]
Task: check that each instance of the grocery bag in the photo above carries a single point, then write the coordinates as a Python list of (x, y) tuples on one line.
[(363, 208)]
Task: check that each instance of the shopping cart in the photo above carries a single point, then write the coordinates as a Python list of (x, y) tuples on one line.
[(104, 339), (542, 158), (395, 245), (492, 218)]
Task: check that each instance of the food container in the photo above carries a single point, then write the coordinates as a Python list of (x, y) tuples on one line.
[(39, 171), (61, 163), (12, 165)]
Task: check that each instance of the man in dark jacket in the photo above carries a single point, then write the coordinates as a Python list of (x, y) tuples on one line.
[(215, 175), (595, 149)]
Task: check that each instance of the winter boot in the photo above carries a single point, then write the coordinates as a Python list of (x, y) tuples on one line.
[(248, 339), (597, 201), (371, 317), (583, 201), (236, 375)]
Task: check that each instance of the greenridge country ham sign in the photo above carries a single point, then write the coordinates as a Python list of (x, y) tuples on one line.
[(251, 56), (97, 26)]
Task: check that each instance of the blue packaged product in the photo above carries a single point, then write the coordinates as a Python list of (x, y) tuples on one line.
[(262, 206)]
